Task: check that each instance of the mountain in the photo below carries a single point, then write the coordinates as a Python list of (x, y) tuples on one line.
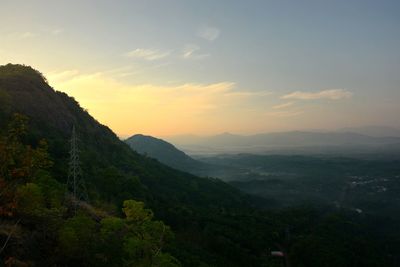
[(164, 152), (183, 139), (375, 131), (296, 141)]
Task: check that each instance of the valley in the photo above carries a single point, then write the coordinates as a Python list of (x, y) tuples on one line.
[(369, 183)]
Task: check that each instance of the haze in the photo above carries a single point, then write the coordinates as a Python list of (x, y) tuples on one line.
[(206, 67)]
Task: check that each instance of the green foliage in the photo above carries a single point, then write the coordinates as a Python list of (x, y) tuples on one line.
[(116, 186), (15, 156), (76, 238), (5, 107), (143, 238), (22, 71), (165, 260), (52, 190), (37, 200), (135, 211), (30, 199), (19, 163)]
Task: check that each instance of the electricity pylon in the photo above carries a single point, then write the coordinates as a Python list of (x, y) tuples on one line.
[(75, 183)]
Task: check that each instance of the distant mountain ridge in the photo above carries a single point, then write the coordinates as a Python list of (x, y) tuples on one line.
[(374, 131), (283, 141)]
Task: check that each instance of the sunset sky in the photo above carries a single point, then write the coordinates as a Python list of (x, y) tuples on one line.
[(171, 67)]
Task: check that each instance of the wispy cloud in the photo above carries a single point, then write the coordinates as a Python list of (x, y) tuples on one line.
[(22, 35), (68, 75), (148, 54), (190, 99), (191, 51), (56, 31), (284, 105), (209, 33), (284, 113), (121, 72), (60, 76), (332, 94), (187, 106), (249, 93)]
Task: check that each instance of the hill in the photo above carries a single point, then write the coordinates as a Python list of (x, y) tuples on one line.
[(164, 152), (52, 115)]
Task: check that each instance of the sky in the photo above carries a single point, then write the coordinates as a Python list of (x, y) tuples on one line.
[(171, 67)]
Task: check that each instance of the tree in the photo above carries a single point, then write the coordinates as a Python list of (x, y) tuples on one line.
[(137, 239), (77, 239)]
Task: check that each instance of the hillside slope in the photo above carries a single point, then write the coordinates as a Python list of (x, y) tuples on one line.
[(52, 115), (164, 152)]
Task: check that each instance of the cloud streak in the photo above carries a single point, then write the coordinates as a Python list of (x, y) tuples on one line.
[(209, 33), (331, 94), (62, 75), (284, 105), (284, 113), (147, 54), (57, 31), (22, 35), (129, 108), (190, 51)]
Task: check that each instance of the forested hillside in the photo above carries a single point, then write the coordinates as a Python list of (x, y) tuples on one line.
[(194, 221), (165, 152)]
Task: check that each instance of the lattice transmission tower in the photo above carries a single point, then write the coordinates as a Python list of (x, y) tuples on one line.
[(75, 183)]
